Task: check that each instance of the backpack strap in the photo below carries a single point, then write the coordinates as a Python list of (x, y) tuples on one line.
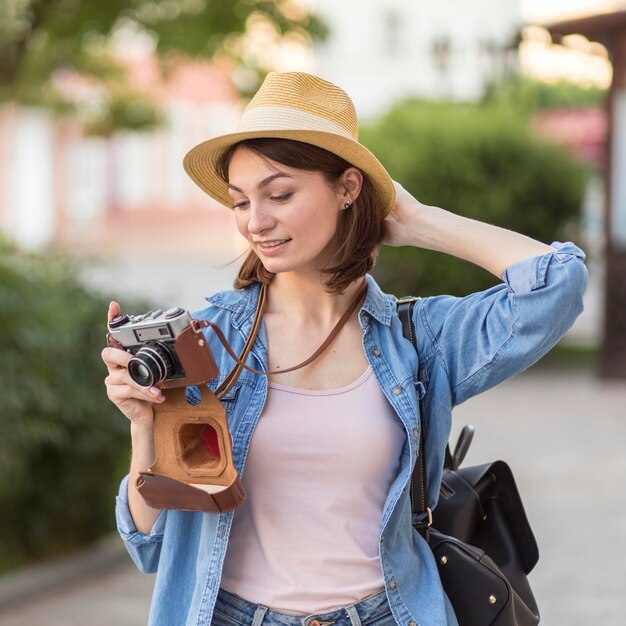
[(418, 479)]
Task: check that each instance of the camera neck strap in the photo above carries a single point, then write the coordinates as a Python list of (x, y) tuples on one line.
[(232, 376)]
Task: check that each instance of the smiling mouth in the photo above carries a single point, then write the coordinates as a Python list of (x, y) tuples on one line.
[(272, 244)]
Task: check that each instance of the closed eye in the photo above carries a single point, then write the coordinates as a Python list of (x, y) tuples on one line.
[(282, 198)]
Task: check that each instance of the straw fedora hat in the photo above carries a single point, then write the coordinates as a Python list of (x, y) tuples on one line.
[(294, 105)]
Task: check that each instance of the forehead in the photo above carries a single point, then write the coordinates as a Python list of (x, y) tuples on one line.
[(248, 168)]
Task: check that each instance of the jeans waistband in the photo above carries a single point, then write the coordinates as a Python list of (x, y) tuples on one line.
[(358, 614)]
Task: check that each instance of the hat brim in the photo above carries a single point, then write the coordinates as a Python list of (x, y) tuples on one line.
[(201, 161)]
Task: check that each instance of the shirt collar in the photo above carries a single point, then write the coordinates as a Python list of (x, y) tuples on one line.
[(377, 304), (242, 303)]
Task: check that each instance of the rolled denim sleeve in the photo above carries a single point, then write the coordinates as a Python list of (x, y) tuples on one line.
[(143, 549), (487, 337)]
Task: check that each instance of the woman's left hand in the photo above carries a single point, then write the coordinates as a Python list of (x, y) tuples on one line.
[(402, 220)]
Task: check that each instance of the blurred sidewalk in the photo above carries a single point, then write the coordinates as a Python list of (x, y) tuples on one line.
[(562, 431)]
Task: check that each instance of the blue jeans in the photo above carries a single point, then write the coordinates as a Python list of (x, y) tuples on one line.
[(231, 610)]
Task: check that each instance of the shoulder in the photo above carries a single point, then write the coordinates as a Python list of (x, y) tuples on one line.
[(229, 303)]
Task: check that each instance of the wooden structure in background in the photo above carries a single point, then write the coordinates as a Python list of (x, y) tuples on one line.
[(609, 29)]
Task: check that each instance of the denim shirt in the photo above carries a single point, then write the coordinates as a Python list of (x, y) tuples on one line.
[(465, 345)]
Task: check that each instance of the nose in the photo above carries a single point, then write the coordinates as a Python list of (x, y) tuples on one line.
[(260, 218)]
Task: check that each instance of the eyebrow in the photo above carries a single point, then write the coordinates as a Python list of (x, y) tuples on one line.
[(265, 182)]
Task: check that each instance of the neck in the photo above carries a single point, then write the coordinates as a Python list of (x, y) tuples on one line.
[(306, 296)]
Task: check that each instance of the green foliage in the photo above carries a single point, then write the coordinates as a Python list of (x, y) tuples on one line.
[(41, 38), (126, 110), (526, 94), (63, 445), (481, 162)]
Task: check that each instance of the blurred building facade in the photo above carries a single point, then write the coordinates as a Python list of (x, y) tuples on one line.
[(125, 199), (381, 52), (62, 188)]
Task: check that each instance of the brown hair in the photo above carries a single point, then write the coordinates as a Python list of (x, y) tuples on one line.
[(360, 228)]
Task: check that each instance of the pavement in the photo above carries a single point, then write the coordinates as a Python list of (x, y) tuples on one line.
[(562, 430)]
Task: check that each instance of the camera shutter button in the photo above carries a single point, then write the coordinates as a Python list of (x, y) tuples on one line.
[(175, 311), (119, 320)]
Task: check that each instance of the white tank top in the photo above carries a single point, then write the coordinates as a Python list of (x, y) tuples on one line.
[(318, 471)]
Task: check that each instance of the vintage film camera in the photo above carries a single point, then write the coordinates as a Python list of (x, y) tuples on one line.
[(194, 468), (168, 348)]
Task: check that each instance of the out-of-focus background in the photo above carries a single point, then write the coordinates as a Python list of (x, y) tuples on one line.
[(509, 111)]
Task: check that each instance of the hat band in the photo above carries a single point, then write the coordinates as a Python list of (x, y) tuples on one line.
[(286, 118)]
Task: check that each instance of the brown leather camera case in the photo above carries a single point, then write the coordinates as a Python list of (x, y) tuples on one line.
[(194, 470)]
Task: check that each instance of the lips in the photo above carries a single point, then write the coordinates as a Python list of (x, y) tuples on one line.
[(272, 244)]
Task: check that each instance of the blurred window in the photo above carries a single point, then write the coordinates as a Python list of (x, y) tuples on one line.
[(441, 50), (393, 43), (132, 167), (87, 185)]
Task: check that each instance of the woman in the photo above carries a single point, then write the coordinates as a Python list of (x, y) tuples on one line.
[(325, 535)]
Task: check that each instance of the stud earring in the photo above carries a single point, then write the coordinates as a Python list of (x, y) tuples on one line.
[(347, 205)]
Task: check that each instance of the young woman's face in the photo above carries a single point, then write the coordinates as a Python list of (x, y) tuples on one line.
[(289, 216)]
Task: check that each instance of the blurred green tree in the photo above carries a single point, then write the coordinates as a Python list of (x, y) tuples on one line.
[(527, 95), (40, 39), (482, 162), (63, 446)]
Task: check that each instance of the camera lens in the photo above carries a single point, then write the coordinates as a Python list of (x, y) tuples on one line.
[(151, 364)]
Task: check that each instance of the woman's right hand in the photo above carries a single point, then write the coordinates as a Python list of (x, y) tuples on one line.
[(135, 402)]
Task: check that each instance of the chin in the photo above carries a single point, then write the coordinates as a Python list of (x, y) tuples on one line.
[(279, 268), (276, 266), (282, 265)]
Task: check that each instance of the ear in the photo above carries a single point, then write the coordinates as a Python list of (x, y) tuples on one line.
[(350, 184)]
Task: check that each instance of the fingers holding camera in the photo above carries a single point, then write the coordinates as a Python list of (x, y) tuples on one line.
[(117, 363), (134, 401), (119, 378)]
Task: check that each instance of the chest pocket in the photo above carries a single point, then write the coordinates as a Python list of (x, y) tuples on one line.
[(192, 394), (229, 399), (420, 389), (420, 394)]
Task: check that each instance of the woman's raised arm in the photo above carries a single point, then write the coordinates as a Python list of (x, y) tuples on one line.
[(411, 223)]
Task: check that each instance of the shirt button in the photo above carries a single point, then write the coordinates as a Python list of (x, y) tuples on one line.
[(416, 433), (366, 318), (375, 351), (411, 623), (382, 537), (397, 390), (314, 622), (392, 583)]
